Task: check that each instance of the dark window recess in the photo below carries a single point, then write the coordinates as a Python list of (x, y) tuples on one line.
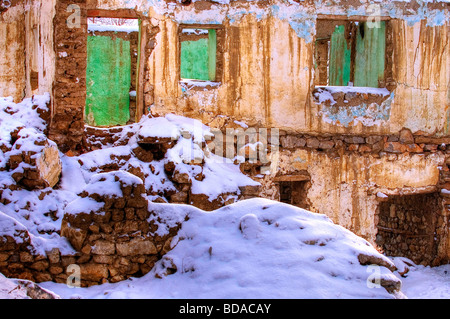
[(295, 193), (407, 225)]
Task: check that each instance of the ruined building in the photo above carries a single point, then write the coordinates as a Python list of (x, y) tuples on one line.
[(357, 93)]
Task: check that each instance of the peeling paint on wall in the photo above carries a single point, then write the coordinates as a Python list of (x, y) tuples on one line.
[(368, 115)]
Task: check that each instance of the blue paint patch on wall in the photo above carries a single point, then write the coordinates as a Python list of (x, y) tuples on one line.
[(369, 115)]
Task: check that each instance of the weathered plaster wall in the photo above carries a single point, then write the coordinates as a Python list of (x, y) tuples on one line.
[(345, 187), (422, 73), (12, 48), (268, 76), (26, 45), (265, 80)]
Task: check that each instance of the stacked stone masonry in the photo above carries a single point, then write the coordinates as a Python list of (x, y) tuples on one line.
[(69, 88), (112, 243)]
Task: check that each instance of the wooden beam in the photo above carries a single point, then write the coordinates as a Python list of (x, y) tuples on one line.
[(120, 13), (292, 178), (141, 108), (406, 191), (353, 18)]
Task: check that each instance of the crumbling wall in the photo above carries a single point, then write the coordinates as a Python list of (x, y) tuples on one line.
[(421, 64), (349, 177), (69, 87), (114, 234), (407, 226), (12, 46), (268, 75), (27, 66)]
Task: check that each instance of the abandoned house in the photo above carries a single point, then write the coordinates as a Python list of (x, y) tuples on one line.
[(353, 95)]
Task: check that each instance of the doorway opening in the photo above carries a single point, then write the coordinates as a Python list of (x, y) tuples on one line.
[(111, 75)]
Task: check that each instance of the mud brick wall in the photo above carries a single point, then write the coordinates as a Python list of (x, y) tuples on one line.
[(69, 89), (117, 241), (97, 138)]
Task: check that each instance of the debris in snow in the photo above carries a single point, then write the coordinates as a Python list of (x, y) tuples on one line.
[(23, 289)]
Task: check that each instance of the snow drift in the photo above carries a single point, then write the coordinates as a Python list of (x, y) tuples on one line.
[(256, 248)]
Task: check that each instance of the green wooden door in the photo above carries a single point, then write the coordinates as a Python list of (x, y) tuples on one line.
[(369, 44), (340, 58), (370, 54), (108, 80)]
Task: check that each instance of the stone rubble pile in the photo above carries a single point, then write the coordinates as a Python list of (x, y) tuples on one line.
[(114, 233)]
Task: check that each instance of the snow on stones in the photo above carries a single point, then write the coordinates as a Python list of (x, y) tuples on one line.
[(113, 230), (110, 215), (32, 158)]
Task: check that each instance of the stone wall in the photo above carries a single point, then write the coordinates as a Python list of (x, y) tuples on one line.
[(348, 178), (115, 236), (69, 87), (407, 226)]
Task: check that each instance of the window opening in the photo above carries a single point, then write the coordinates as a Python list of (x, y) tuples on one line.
[(350, 53), (198, 56)]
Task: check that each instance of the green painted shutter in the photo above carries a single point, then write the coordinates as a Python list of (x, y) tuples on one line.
[(194, 60), (108, 80), (212, 51), (198, 58), (339, 68), (370, 54)]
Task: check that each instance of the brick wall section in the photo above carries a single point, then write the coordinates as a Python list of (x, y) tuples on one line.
[(69, 88)]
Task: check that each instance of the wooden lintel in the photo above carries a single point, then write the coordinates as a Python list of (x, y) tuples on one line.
[(403, 191), (352, 18), (120, 13), (292, 178), (200, 26)]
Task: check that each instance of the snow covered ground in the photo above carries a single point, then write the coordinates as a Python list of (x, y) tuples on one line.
[(251, 249), (427, 282), (420, 283)]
